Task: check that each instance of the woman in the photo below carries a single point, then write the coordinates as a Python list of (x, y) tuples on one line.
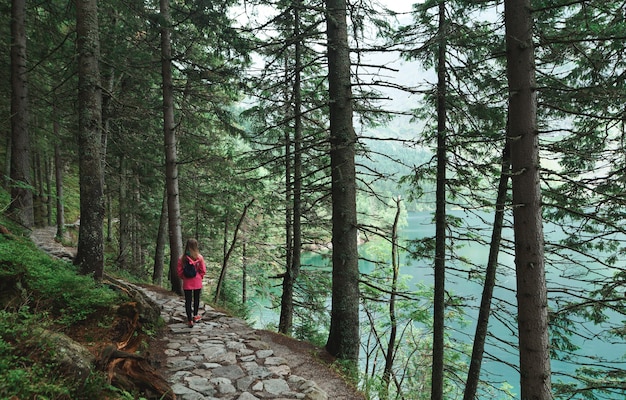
[(192, 286)]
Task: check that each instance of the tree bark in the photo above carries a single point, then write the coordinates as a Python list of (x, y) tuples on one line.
[(6, 176), (136, 248), (38, 193), (222, 277), (106, 124), (285, 320), (437, 376), (48, 188), (124, 216), (343, 339), (90, 255), (171, 166), (59, 166), (480, 337), (21, 207), (393, 329), (532, 302), (244, 273), (161, 242), (294, 227), (58, 181), (296, 259)]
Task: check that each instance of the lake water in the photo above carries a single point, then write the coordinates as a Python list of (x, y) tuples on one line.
[(560, 274), (501, 359)]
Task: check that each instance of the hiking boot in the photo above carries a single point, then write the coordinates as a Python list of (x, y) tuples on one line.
[(190, 324), (197, 318)]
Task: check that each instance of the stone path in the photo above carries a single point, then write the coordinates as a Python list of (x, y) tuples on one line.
[(221, 357), (44, 238)]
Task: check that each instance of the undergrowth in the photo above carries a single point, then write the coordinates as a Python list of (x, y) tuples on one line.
[(51, 284), (28, 366), (40, 295)]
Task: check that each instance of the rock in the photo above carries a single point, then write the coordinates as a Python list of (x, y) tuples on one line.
[(247, 396), (73, 359), (275, 386)]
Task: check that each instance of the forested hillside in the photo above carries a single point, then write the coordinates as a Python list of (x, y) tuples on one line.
[(299, 141), (54, 323)]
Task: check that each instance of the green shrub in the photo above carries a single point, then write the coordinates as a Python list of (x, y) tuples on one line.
[(230, 300), (55, 284), (25, 367), (21, 373), (5, 200), (38, 294)]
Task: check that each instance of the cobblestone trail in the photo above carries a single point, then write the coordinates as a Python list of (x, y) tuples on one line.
[(221, 357)]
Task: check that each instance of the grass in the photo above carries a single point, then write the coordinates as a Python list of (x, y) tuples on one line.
[(40, 299), (29, 366), (50, 284)]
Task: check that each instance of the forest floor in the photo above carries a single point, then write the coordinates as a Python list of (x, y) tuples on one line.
[(305, 360)]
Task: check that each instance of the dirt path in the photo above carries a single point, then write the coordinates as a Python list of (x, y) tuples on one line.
[(310, 362)]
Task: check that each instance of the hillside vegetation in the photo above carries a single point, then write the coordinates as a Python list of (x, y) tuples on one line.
[(54, 324)]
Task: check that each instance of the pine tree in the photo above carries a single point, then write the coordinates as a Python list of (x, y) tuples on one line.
[(90, 255), (532, 297), (21, 186), (343, 339)]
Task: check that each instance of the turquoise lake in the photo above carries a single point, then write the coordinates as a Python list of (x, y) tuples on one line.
[(501, 357)]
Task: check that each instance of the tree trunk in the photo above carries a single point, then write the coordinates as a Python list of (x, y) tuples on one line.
[(244, 274), (437, 377), (296, 258), (222, 277), (393, 329), (171, 167), (106, 123), (38, 193), (295, 237), (58, 174), (532, 302), (21, 207), (109, 216), (136, 248), (48, 187), (473, 375), (58, 181), (6, 176), (124, 217), (343, 338), (108, 83), (90, 255), (161, 242), (285, 320)]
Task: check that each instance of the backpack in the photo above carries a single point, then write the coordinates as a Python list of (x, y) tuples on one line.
[(189, 269)]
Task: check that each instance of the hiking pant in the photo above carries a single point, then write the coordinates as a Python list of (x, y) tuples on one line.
[(195, 293)]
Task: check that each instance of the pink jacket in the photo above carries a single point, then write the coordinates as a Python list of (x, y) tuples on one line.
[(196, 281)]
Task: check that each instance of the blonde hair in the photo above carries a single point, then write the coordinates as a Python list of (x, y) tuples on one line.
[(191, 248)]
